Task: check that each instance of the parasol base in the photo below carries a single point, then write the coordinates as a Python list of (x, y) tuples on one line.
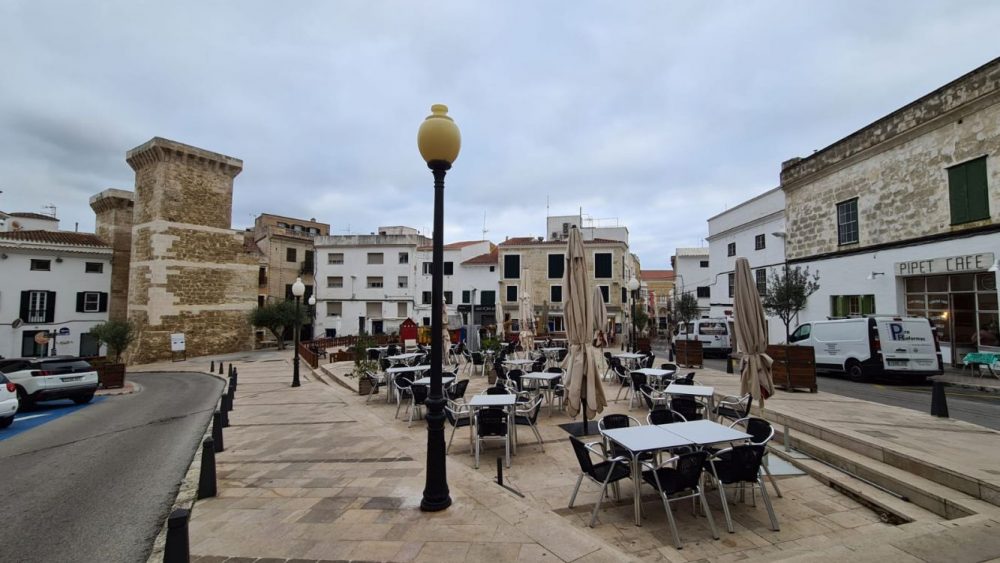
[(580, 429)]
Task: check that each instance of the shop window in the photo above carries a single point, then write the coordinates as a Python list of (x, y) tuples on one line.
[(968, 193), (852, 305), (847, 221)]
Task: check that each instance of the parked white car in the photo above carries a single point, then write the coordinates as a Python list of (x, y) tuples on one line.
[(44, 379), (715, 334), (8, 401)]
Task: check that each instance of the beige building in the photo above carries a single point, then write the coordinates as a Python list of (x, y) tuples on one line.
[(610, 263), (659, 286)]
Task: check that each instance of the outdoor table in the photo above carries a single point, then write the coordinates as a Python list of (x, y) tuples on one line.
[(658, 374), (446, 380), (705, 432), (642, 439), (552, 353), (693, 391), (629, 358), (403, 358), (390, 384), (548, 378), (978, 359)]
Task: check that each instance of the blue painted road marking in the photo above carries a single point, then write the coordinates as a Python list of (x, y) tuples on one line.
[(43, 413)]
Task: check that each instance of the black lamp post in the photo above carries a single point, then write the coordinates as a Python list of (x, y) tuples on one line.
[(633, 287), (439, 142), (312, 314), (298, 289)]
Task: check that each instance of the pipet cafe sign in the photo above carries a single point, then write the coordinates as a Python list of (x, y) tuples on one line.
[(949, 265)]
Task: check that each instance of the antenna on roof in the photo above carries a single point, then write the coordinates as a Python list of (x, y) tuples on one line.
[(50, 207), (485, 230)]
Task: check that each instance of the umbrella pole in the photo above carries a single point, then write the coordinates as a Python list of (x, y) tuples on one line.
[(584, 409)]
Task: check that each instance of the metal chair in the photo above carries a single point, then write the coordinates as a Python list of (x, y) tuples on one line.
[(740, 465), (637, 380), (456, 392), (676, 476), (733, 407), (608, 471), (761, 433), (403, 383), (478, 360), (460, 416), (664, 416), (611, 421), (418, 394), (653, 398), (491, 424), (527, 415), (374, 381)]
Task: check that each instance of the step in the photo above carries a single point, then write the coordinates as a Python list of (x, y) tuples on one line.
[(929, 495)]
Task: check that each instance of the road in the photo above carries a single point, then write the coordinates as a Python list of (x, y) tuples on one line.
[(95, 485), (967, 405)]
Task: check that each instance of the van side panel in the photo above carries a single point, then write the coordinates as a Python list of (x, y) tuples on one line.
[(907, 346), (837, 341)]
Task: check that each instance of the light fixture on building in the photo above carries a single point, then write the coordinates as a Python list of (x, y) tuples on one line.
[(874, 275), (994, 268)]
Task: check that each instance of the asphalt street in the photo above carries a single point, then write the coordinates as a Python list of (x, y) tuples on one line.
[(95, 485)]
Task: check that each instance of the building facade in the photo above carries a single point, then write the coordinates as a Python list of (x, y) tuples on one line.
[(903, 216), (693, 275), (660, 287), (470, 283), (755, 230)]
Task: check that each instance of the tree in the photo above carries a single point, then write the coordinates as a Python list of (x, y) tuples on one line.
[(787, 293), (277, 315), (116, 335), (686, 308), (641, 318)]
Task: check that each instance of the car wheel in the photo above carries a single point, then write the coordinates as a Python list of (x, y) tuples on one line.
[(24, 401), (855, 372), (83, 399), (5, 422)]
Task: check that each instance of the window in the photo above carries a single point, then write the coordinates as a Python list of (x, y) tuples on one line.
[(375, 258), (511, 293), (759, 242), (426, 321), (848, 305), (760, 276), (402, 282), (605, 293), (91, 302), (732, 285), (334, 281), (466, 296), (93, 268), (449, 268), (373, 310), (260, 300), (624, 295), (282, 225), (448, 297), (38, 306), (488, 297), (401, 310), (731, 249), (425, 298), (602, 265), (703, 264), (493, 268), (374, 282), (335, 258), (291, 255), (512, 266), (968, 193), (704, 292), (555, 294), (310, 260), (556, 324), (428, 268), (404, 257), (557, 266), (800, 333), (334, 308), (41, 265), (847, 221)]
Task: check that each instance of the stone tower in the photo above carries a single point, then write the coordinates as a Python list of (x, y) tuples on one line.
[(113, 209), (189, 273)]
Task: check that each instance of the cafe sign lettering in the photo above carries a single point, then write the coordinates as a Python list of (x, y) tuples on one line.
[(949, 265)]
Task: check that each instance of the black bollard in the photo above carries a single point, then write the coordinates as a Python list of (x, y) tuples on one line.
[(729, 364), (225, 416), (212, 369), (230, 372), (206, 479), (177, 549), (227, 403), (220, 368), (217, 431), (670, 354), (939, 403), (499, 471), (232, 397)]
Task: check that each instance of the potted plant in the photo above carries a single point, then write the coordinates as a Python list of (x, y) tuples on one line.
[(362, 364), (116, 335), (786, 294)]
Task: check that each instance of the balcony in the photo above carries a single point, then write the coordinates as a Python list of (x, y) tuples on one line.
[(306, 268)]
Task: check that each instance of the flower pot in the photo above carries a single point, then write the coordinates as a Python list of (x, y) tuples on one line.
[(364, 386), (110, 376)]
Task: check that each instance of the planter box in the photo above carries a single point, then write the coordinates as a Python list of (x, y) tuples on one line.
[(110, 376), (794, 367), (364, 386), (342, 356), (689, 353)]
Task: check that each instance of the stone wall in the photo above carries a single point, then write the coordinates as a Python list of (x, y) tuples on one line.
[(189, 271), (114, 209), (901, 183)]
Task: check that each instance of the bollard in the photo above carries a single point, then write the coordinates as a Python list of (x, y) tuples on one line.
[(499, 471), (206, 479), (212, 369), (227, 403), (232, 397), (177, 549), (939, 403), (230, 372), (670, 355), (217, 431), (729, 364), (220, 368), (225, 417)]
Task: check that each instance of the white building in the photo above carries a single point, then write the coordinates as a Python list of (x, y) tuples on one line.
[(558, 226), (755, 230), (366, 282), (51, 283), (693, 275), (27, 221), (471, 281)]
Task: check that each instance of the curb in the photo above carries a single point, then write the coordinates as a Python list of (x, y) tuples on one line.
[(992, 389)]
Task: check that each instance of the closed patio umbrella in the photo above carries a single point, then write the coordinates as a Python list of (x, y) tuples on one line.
[(526, 313), (751, 336), (600, 313), (584, 389)]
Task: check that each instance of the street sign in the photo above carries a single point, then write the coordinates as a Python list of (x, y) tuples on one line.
[(177, 342), (41, 338), (64, 331)]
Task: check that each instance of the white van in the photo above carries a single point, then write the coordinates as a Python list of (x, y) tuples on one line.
[(869, 346), (715, 334)]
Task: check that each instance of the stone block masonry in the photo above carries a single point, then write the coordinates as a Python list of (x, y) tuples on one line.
[(189, 273), (114, 211)]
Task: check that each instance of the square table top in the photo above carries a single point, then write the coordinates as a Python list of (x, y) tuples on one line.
[(654, 372), (405, 369), (517, 362), (406, 356), (691, 390), (446, 380), (704, 432), (630, 356), (646, 438), (504, 400), (542, 375)]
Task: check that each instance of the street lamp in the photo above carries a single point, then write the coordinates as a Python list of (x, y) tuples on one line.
[(633, 287), (439, 142), (298, 290), (312, 314)]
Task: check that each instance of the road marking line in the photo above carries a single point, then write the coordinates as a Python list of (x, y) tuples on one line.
[(30, 416)]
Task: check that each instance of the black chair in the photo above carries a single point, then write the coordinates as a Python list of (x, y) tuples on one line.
[(491, 424), (637, 380), (497, 390), (672, 367), (392, 350), (612, 421), (384, 364), (514, 376), (607, 362), (558, 390), (761, 433), (561, 355), (664, 416), (403, 384), (460, 416), (686, 380), (604, 473), (527, 415), (478, 360), (653, 398), (539, 365), (418, 394), (675, 477), (374, 355), (647, 362), (623, 379), (690, 408), (740, 465), (457, 390), (374, 382)]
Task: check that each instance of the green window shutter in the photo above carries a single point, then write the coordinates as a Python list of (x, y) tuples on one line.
[(976, 191), (867, 304), (838, 306), (956, 191)]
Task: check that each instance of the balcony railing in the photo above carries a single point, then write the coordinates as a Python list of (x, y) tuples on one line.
[(306, 268)]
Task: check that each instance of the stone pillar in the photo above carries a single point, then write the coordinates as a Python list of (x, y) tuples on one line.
[(189, 273), (114, 225)]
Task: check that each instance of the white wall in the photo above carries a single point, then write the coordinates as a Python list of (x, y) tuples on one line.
[(689, 275), (66, 278), (464, 278)]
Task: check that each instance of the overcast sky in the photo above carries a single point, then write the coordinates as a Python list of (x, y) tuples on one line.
[(659, 114)]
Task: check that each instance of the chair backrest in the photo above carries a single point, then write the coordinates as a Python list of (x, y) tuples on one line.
[(403, 380), (457, 391), (668, 366), (638, 379), (610, 421), (582, 456), (452, 412), (664, 416), (491, 422), (687, 406), (477, 358), (554, 370), (392, 350), (686, 380), (539, 365), (419, 393), (531, 409), (648, 362), (608, 356), (741, 464), (425, 360), (647, 395), (561, 355), (384, 364), (495, 390), (760, 430), (500, 371), (515, 376), (374, 354), (372, 381), (689, 467)]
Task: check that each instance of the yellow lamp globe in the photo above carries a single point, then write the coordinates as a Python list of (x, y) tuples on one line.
[(438, 138)]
